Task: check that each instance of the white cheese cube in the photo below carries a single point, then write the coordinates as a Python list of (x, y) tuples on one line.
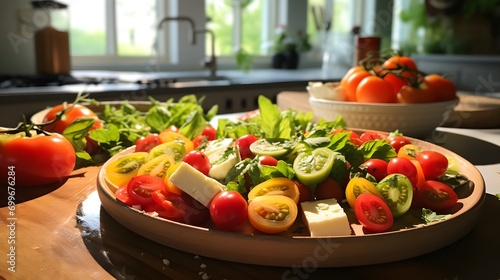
[(217, 145), (325, 218), (223, 161), (196, 184)]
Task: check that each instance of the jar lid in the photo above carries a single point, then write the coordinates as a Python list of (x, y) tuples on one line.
[(48, 4)]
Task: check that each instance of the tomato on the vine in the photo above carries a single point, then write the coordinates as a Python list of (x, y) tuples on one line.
[(416, 94), (229, 210), (373, 89), (399, 71), (198, 160), (442, 88), (35, 160), (343, 81), (352, 84)]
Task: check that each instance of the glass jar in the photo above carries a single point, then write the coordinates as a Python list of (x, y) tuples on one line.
[(51, 37)]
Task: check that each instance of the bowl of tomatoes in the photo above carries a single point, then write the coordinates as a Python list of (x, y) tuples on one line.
[(392, 95)]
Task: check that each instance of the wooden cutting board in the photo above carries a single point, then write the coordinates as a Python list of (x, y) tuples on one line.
[(473, 111)]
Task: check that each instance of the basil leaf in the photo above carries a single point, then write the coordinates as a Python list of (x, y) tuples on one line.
[(270, 118)]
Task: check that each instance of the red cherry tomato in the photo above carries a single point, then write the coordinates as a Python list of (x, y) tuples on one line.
[(373, 213), (229, 210), (180, 208), (198, 160), (434, 164), (436, 195), (305, 193), (244, 143), (122, 195), (441, 87), (140, 188), (210, 132), (372, 135), (329, 188), (403, 166), (198, 140), (268, 160), (34, 161), (398, 141), (146, 143), (376, 167), (406, 67)]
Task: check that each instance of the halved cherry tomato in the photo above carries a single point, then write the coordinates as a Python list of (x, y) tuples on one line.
[(268, 160), (373, 89), (329, 188), (121, 170), (121, 194), (434, 164), (198, 160), (180, 208), (172, 136), (244, 143), (313, 167), (157, 166), (229, 210), (410, 151), (437, 196), (376, 167), (146, 143), (140, 188), (198, 140), (169, 186), (272, 213), (276, 186), (357, 186), (401, 165), (175, 149), (373, 213), (397, 191), (420, 173)]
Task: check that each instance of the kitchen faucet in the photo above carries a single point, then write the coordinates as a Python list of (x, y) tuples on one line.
[(211, 62), (182, 18)]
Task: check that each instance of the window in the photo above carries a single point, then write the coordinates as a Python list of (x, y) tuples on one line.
[(123, 35)]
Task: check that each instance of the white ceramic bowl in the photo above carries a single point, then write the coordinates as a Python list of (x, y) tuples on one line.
[(416, 120)]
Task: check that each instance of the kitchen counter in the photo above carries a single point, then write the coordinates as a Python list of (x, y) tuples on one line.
[(233, 91), (61, 231)]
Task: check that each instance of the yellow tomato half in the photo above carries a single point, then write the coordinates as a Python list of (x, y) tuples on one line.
[(357, 186), (122, 169), (276, 186), (272, 213), (171, 136), (169, 186), (409, 151), (157, 166)]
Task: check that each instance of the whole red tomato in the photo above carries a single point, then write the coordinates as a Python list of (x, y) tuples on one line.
[(373, 89), (33, 161), (399, 71), (442, 88), (73, 113), (229, 210)]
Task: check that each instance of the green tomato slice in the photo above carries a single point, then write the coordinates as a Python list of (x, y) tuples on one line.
[(275, 147), (397, 191), (173, 148), (313, 167)]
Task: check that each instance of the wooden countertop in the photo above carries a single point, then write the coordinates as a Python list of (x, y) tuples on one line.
[(62, 232)]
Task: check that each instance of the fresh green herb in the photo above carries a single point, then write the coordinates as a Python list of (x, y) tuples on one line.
[(378, 149), (454, 180), (75, 133), (270, 116), (430, 216)]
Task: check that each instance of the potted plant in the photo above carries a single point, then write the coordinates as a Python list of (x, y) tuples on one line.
[(286, 49)]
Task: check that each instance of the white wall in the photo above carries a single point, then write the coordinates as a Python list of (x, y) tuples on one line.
[(17, 52)]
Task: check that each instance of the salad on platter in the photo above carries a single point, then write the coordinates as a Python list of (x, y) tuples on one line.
[(278, 172)]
